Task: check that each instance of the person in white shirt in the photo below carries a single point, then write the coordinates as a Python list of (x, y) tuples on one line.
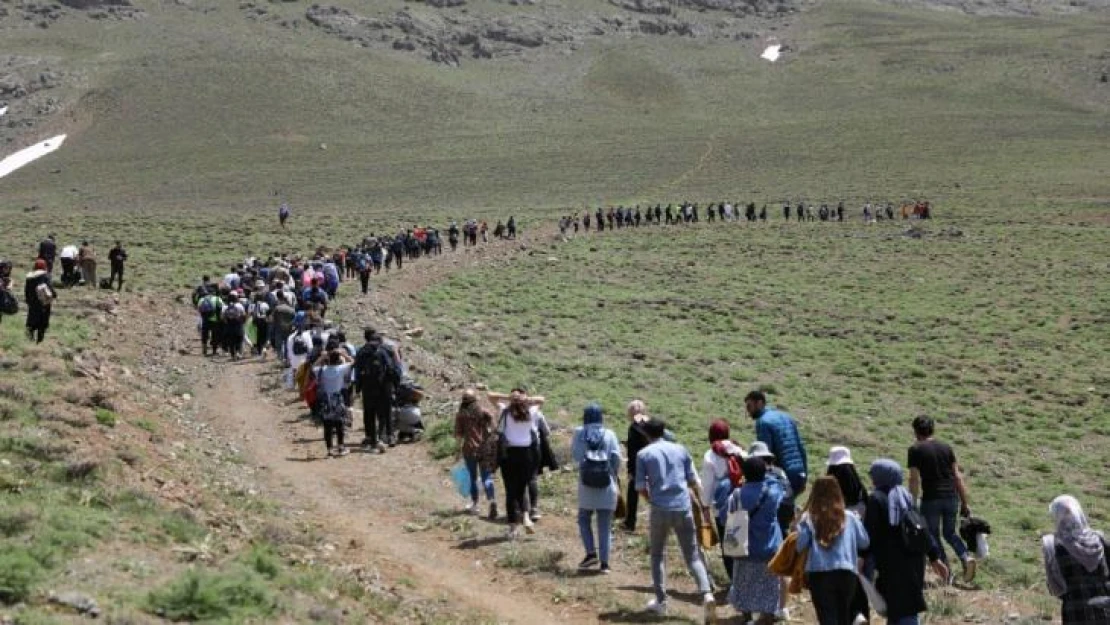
[(718, 479), (519, 426), (69, 264)]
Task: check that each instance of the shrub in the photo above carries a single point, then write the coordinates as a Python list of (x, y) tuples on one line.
[(106, 417), (203, 596), (18, 574)]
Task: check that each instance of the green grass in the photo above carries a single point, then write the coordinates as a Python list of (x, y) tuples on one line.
[(234, 596)]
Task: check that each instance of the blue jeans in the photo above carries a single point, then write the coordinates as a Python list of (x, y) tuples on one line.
[(905, 620), (487, 480), (604, 532), (940, 514)]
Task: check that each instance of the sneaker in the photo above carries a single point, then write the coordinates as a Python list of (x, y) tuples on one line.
[(709, 607), (860, 620), (656, 606), (588, 562), (492, 511), (535, 515), (367, 444), (514, 532), (343, 451), (380, 447), (331, 453), (605, 570), (969, 569), (529, 526)]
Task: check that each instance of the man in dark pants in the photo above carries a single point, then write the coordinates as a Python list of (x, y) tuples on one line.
[(376, 375), (116, 257), (47, 251)]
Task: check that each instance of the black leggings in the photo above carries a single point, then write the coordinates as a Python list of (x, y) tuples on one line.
[(632, 500), (333, 429), (517, 469), (832, 593)]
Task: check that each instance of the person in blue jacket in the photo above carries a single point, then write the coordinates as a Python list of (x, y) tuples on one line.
[(779, 431), (754, 587)]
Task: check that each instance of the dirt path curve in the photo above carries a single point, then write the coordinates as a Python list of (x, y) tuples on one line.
[(367, 501)]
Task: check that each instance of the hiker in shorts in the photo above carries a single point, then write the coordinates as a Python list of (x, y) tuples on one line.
[(376, 375), (473, 425), (116, 257), (665, 477), (935, 477)]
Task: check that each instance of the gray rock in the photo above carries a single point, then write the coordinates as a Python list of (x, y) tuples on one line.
[(79, 602)]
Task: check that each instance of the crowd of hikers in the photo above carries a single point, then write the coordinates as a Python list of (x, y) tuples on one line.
[(857, 550), (687, 213)]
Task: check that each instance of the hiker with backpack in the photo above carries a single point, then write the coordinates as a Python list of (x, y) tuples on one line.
[(780, 432), (376, 375), (333, 376), (665, 476), (1076, 565), (721, 474), (898, 554), (834, 539), (597, 454), (935, 476), (40, 295), (210, 307), (260, 316), (755, 589), (473, 426), (234, 317)]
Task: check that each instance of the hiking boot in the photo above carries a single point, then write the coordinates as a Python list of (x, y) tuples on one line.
[(709, 608), (492, 511), (969, 569), (605, 570), (588, 562), (657, 607)]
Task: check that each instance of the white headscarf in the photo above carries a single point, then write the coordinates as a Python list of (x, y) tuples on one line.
[(1074, 534)]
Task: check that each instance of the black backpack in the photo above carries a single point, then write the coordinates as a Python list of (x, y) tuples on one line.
[(300, 345), (375, 369), (914, 531), (594, 470), (9, 305)]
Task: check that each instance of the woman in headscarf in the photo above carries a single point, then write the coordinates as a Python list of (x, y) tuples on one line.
[(595, 449), (38, 307), (901, 574), (834, 539), (755, 589), (1076, 565), (637, 440), (717, 481)]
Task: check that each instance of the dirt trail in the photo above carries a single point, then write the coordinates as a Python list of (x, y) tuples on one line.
[(364, 499)]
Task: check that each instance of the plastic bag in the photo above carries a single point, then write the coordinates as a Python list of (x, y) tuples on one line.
[(460, 475), (982, 549), (734, 543)]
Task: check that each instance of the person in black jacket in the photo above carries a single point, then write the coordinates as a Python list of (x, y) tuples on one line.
[(116, 257), (901, 574), (48, 249), (637, 440), (38, 308), (376, 376)]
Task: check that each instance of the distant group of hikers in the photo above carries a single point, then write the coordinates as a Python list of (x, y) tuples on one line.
[(39, 293), (856, 549), (687, 213)]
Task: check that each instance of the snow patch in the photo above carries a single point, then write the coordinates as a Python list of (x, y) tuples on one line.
[(771, 53), (29, 155)]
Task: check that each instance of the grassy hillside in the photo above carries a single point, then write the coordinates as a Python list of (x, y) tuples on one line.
[(189, 123)]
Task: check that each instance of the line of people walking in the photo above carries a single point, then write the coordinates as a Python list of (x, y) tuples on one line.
[(858, 550)]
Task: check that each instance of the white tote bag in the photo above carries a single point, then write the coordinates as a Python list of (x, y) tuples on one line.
[(734, 543)]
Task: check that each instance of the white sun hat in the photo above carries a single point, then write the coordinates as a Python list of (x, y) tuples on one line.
[(840, 455)]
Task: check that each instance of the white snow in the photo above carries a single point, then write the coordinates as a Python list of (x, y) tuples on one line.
[(29, 155), (771, 53)]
